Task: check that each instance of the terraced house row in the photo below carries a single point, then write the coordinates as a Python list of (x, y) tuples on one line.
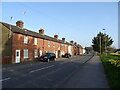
[(20, 44)]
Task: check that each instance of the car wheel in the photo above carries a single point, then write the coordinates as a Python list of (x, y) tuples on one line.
[(48, 60), (54, 59)]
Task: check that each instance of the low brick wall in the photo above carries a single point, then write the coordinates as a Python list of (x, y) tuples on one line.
[(6, 60)]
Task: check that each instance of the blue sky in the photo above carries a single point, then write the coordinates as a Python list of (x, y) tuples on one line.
[(78, 21)]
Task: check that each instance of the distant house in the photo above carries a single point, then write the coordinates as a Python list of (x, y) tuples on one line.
[(20, 44), (89, 50)]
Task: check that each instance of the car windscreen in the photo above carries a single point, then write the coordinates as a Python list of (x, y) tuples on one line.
[(52, 54)]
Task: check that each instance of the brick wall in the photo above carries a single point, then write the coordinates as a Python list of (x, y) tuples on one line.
[(18, 44)]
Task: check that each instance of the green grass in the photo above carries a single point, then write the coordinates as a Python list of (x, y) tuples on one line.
[(112, 72)]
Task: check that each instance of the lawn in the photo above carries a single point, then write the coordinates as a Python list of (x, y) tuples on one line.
[(112, 70)]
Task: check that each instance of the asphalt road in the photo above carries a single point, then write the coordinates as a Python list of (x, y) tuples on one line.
[(85, 71)]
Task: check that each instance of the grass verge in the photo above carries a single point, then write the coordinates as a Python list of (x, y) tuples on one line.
[(112, 72)]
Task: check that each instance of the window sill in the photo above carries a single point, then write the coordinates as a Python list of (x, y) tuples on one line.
[(25, 57), (36, 56)]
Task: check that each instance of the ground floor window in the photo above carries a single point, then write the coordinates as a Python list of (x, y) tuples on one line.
[(25, 53), (48, 51), (35, 53), (63, 53), (54, 51)]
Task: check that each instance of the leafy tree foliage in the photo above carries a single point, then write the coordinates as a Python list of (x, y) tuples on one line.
[(100, 41)]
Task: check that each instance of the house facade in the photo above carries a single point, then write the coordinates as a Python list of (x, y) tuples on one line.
[(20, 44)]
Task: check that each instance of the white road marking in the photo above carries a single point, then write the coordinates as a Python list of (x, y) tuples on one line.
[(63, 62), (5, 79), (41, 68)]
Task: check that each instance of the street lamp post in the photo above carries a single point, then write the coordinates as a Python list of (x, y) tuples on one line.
[(100, 43), (105, 40)]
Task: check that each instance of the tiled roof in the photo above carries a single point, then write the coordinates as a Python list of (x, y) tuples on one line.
[(16, 29)]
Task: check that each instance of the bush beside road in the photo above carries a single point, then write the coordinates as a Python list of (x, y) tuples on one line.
[(112, 69)]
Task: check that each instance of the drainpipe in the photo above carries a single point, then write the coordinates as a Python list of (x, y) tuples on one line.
[(43, 47)]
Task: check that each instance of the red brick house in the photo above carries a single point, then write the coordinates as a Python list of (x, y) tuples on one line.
[(77, 48), (20, 44)]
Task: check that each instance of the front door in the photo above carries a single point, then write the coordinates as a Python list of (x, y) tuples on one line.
[(56, 54), (40, 52), (17, 56)]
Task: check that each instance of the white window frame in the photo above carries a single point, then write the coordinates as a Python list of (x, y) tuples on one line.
[(58, 46), (48, 43), (35, 53), (25, 39), (62, 46), (48, 51), (54, 52), (53, 44), (25, 51), (35, 41)]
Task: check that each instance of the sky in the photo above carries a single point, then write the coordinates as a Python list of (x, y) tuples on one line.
[(77, 21)]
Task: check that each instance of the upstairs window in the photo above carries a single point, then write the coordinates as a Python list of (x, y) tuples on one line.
[(25, 39), (35, 41), (53, 44), (48, 43), (63, 46), (58, 46)]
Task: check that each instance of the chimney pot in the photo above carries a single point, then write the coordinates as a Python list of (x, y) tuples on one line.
[(41, 31), (63, 39), (56, 36), (20, 24), (71, 42), (75, 43)]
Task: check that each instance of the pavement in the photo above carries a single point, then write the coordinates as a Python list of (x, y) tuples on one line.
[(85, 71), (90, 75)]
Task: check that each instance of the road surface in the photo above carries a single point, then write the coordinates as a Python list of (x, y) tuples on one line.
[(84, 71)]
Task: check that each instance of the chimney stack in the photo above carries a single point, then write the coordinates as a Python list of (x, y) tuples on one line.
[(56, 36), (41, 31), (71, 42), (20, 24), (75, 43), (63, 39)]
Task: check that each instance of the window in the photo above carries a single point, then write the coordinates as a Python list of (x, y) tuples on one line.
[(25, 53), (63, 46), (58, 46), (25, 39), (63, 52), (35, 53), (48, 51), (54, 51), (17, 54), (35, 41), (48, 43), (53, 44)]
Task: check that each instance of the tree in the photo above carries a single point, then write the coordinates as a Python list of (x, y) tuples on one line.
[(100, 42), (88, 49)]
